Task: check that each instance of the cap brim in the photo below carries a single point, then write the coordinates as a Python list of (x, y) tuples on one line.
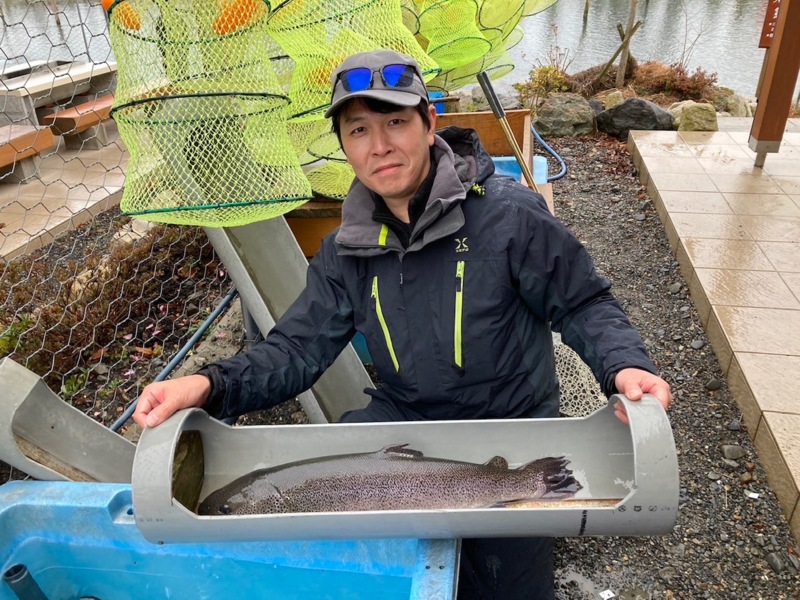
[(397, 97)]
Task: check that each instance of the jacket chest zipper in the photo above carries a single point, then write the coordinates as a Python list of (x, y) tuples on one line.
[(379, 312), (458, 358)]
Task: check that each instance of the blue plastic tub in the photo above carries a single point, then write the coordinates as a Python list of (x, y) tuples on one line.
[(508, 165), (80, 539)]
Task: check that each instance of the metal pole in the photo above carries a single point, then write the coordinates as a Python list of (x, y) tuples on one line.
[(180, 355), (500, 114)]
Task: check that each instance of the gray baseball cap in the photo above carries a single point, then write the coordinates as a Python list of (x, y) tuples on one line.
[(374, 61)]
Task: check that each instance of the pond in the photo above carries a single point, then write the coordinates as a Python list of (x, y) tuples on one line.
[(727, 33)]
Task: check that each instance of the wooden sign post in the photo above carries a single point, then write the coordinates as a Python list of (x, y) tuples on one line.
[(782, 64)]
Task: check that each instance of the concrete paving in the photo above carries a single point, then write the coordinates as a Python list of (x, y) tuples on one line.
[(735, 230)]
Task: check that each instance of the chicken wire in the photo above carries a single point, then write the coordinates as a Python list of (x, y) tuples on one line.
[(90, 300)]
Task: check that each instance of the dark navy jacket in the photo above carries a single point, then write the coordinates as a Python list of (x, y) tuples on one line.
[(459, 323)]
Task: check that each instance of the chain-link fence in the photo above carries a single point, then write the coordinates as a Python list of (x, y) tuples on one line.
[(92, 301)]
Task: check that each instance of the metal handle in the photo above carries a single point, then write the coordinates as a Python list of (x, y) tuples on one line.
[(499, 113), (491, 97)]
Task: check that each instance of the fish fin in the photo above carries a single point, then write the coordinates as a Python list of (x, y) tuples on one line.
[(402, 451), (557, 476), (497, 461)]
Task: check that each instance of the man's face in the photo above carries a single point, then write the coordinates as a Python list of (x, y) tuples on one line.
[(390, 153)]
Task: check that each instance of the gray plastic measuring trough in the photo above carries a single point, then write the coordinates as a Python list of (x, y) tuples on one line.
[(629, 476), (48, 439)]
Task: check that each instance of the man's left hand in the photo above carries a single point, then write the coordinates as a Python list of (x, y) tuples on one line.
[(634, 383)]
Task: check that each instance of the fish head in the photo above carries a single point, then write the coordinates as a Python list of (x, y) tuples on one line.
[(244, 497)]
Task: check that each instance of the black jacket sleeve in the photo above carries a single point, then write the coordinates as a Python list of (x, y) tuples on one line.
[(558, 281), (304, 342)]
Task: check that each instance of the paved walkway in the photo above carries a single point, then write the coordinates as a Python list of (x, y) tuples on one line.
[(735, 230), (72, 185)]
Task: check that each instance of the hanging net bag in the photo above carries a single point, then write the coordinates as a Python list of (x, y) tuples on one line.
[(449, 27), (320, 34), (533, 7), (202, 113), (332, 180)]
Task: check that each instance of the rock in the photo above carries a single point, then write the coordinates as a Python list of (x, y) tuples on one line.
[(634, 113), (713, 475), (694, 116), (596, 106), (565, 115), (132, 232), (506, 94), (698, 344), (735, 425), (731, 463), (712, 385), (101, 369), (668, 573), (733, 452), (615, 98), (675, 288), (774, 560), (736, 105)]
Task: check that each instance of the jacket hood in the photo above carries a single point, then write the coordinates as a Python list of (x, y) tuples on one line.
[(461, 163), (466, 146)]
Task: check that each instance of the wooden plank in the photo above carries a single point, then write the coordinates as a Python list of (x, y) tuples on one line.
[(80, 117), (489, 130), (18, 142), (309, 231)]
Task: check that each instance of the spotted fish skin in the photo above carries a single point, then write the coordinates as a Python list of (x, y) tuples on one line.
[(393, 478)]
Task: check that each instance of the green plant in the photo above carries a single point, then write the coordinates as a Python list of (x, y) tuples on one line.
[(10, 338), (544, 80), (74, 383), (108, 389), (548, 78)]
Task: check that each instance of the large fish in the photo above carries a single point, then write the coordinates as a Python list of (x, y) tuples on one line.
[(394, 478)]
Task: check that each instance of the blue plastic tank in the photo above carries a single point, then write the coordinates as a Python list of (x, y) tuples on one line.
[(80, 540)]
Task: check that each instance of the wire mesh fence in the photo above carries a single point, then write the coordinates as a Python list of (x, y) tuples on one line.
[(93, 302), (96, 303)]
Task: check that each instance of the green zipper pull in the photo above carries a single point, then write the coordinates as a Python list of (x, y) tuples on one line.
[(382, 321), (460, 266)]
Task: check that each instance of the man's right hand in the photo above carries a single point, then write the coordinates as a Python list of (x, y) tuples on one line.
[(161, 399)]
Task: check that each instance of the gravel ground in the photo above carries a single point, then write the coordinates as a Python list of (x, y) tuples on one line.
[(725, 544)]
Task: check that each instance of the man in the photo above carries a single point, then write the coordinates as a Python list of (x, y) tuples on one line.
[(455, 276)]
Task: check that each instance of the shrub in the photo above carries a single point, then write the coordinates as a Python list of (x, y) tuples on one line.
[(675, 80), (544, 80)]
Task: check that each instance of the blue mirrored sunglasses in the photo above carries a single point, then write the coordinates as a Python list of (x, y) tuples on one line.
[(359, 79)]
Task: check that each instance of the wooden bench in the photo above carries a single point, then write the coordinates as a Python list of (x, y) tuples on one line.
[(79, 123), (19, 145)]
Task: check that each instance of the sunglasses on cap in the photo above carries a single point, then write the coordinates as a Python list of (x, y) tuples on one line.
[(359, 79)]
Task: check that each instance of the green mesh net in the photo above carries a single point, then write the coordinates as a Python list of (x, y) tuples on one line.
[(220, 102), (451, 30), (533, 7), (320, 34), (202, 113), (332, 180)]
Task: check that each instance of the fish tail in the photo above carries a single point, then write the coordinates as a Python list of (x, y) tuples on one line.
[(556, 476)]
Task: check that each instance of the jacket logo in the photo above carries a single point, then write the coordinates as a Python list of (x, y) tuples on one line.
[(461, 245)]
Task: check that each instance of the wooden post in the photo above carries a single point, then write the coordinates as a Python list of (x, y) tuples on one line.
[(782, 64), (623, 59)]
